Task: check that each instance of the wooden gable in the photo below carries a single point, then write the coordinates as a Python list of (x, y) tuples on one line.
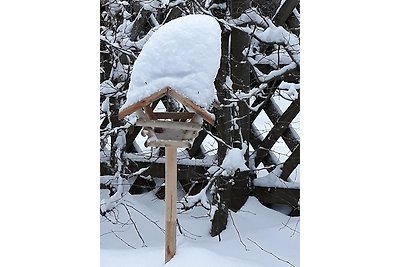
[(207, 116)]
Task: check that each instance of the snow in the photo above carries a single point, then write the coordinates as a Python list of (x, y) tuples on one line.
[(183, 54), (107, 87), (272, 180), (274, 34), (272, 231), (291, 89), (250, 16), (233, 161)]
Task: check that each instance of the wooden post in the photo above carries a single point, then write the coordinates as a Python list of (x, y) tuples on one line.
[(170, 202)]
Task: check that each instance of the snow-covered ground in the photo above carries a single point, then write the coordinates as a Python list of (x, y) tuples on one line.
[(255, 236)]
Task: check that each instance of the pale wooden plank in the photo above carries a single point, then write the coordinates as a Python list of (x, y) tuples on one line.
[(169, 124), (170, 202), (174, 115), (166, 143)]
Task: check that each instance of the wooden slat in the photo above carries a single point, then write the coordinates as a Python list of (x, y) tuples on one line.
[(289, 136), (207, 116), (166, 143), (196, 147), (174, 115), (255, 140), (272, 195), (141, 104), (169, 124), (279, 128), (293, 24), (131, 135), (290, 164), (285, 11), (157, 169)]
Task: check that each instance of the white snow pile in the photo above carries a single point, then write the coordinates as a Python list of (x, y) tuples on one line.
[(272, 180), (233, 161), (183, 54)]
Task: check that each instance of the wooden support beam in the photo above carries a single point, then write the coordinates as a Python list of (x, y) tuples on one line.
[(170, 203), (279, 128), (290, 164)]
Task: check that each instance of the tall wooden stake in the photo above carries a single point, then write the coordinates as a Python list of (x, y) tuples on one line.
[(170, 202)]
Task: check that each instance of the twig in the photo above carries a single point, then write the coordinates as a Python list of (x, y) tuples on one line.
[(180, 227), (123, 240), (295, 229), (247, 211), (218, 139), (144, 215), (134, 225), (111, 232), (270, 253), (237, 231)]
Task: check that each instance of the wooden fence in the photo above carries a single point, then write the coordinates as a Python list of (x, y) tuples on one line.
[(192, 172)]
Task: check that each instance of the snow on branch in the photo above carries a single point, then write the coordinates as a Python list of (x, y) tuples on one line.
[(278, 35), (189, 202), (111, 202), (250, 16), (263, 78), (273, 179), (233, 161), (285, 46), (154, 5), (290, 89), (275, 59)]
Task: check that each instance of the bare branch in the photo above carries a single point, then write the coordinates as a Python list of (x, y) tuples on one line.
[(270, 253), (126, 243), (237, 231)]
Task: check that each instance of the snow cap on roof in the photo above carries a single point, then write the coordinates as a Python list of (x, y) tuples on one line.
[(183, 54)]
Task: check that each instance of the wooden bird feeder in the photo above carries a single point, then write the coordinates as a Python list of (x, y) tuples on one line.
[(169, 130), (164, 129)]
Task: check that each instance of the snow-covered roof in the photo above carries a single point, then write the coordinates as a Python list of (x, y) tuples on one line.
[(183, 54)]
